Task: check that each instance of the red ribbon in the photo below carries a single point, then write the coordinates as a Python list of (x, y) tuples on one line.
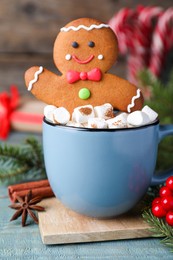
[(8, 102), (94, 75)]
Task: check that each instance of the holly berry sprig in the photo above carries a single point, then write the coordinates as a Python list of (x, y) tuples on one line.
[(158, 213), (162, 206)]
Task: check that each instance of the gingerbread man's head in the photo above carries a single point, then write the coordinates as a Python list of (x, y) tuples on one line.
[(94, 47), (84, 50)]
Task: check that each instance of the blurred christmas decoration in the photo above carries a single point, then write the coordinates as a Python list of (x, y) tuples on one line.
[(145, 35), (8, 103), (28, 116), (21, 114)]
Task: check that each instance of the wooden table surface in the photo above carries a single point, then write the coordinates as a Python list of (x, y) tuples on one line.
[(25, 243)]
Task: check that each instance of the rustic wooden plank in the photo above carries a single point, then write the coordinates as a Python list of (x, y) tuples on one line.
[(24, 243), (31, 26), (38, 22), (13, 67), (59, 225)]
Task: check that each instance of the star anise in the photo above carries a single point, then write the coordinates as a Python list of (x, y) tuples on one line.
[(25, 206)]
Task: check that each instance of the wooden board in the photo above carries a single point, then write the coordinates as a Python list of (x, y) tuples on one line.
[(59, 225)]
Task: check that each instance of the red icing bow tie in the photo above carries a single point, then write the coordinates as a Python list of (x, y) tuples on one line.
[(94, 75)]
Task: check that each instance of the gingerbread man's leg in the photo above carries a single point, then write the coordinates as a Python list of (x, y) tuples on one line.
[(37, 81)]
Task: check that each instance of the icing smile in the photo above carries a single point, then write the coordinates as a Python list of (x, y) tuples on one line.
[(83, 61)]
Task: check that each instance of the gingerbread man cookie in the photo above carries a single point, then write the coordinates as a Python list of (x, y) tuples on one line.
[(84, 50)]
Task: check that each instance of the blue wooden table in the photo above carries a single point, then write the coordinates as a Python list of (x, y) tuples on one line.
[(25, 243)]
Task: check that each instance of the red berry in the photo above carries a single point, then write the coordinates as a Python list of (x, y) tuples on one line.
[(169, 218), (158, 211), (157, 200), (165, 191), (167, 203), (169, 183)]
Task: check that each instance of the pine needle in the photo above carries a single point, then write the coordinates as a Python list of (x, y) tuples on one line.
[(21, 163), (162, 102), (159, 228), (162, 95)]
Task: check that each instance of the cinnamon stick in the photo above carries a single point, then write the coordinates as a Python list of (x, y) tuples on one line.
[(39, 188)]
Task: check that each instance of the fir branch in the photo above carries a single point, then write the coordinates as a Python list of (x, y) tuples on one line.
[(159, 228), (160, 101), (161, 97), (21, 163), (11, 169), (36, 154), (10, 151)]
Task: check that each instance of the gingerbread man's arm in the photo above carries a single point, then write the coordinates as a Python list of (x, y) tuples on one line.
[(37, 80), (124, 95)]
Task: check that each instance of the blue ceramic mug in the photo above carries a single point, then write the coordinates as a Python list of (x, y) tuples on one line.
[(102, 172)]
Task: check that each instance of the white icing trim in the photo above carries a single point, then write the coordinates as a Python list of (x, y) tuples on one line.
[(100, 57), (68, 56), (88, 28), (133, 100), (35, 78)]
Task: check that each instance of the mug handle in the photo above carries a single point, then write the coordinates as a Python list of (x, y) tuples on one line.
[(164, 130)]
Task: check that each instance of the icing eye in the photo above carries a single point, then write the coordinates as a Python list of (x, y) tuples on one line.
[(75, 44), (91, 44)]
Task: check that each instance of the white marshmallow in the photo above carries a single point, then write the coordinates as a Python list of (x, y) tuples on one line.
[(116, 125), (150, 112), (71, 123), (120, 121), (130, 126), (73, 118), (105, 111), (123, 117), (48, 112), (61, 115), (83, 113), (85, 125), (97, 123), (138, 118)]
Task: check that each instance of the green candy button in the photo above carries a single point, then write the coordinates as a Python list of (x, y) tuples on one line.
[(84, 93)]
